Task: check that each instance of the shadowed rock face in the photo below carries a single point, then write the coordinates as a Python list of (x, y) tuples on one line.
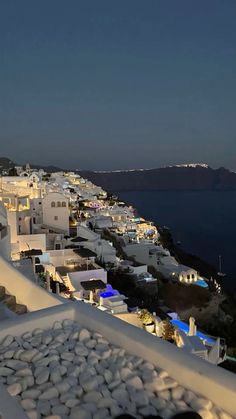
[(168, 178)]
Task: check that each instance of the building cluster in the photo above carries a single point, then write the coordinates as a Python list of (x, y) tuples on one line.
[(65, 233), (60, 235), (63, 211)]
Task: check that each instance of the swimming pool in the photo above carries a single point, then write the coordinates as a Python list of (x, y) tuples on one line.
[(201, 283), (185, 328), (107, 294)]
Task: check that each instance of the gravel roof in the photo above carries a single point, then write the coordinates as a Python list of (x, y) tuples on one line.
[(75, 373)]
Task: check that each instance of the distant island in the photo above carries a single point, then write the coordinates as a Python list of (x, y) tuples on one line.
[(197, 177), (192, 176)]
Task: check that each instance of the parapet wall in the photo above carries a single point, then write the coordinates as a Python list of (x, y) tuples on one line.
[(25, 291)]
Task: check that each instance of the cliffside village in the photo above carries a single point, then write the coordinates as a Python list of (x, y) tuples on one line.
[(66, 234)]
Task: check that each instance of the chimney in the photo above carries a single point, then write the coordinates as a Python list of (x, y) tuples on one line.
[(192, 327)]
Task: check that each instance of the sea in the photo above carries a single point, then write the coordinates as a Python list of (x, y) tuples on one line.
[(203, 223)]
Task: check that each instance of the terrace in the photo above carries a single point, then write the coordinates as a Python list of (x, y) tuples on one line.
[(83, 363), (64, 270)]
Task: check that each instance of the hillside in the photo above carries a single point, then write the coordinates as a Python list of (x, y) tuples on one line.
[(198, 177), (6, 164), (167, 178)]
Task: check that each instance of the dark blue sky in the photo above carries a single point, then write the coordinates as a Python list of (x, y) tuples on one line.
[(108, 84)]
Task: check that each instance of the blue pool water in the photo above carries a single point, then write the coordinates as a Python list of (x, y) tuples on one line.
[(201, 283), (107, 294), (185, 328)]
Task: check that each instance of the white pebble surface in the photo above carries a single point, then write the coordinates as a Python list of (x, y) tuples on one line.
[(75, 373)]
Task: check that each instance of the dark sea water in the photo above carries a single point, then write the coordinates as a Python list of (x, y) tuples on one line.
[(204, 222)]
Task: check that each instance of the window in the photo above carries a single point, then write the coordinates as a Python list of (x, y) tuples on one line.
[(34, 220), (40, 203), (63, 204), (188, 276), (193, 276), (53, 204), (58, 204), (55, 217)]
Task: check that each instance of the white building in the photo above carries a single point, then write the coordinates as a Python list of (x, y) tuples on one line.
[(5, 247), (169, 267), (100, 222), (104, 250), (210, 349), (56, 212), (142, 253), (114, 304)]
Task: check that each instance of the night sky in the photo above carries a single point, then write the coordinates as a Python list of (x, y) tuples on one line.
[(107, 84)]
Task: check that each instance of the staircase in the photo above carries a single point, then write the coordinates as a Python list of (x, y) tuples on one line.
[(9, 302)]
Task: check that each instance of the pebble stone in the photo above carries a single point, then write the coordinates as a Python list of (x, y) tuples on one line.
[(71, 372)]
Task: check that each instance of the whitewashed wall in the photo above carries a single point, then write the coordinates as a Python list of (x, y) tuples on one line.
[(25, 291)]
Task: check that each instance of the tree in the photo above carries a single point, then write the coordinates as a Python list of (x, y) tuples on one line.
[(145, 317), (12, 172)]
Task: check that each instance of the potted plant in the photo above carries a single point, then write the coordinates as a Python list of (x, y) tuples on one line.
[(168, 331), (147, 320)]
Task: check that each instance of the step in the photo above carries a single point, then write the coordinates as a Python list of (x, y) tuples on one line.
[(20, 309), (10, 301)]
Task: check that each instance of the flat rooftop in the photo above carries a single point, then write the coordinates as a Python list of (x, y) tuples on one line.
[(64, 270), (85, 253)]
